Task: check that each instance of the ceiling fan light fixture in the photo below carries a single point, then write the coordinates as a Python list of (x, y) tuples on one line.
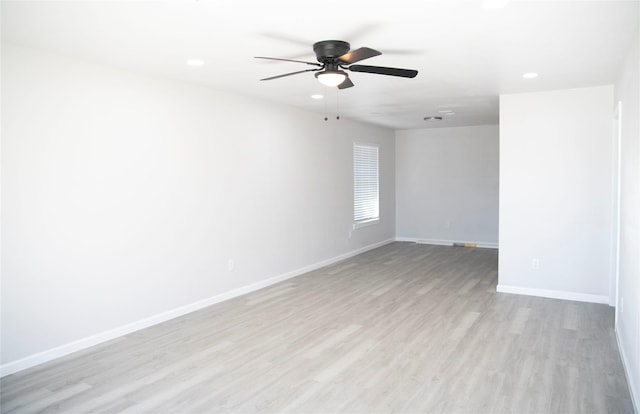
[(331, 77)]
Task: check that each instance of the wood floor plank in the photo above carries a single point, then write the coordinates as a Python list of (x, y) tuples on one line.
[(404, 328)]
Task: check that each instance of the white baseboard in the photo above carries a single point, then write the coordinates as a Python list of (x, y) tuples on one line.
[(441, 242), (633, 387), (553, 294), (66, 349)]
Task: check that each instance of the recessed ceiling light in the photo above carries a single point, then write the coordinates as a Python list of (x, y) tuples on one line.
[(433, 118), (195, 62), (447, 112), (450, 113), (530, 75), (494, 4), (317, 96)]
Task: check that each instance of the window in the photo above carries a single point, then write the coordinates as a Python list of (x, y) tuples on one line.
[(365, 185)]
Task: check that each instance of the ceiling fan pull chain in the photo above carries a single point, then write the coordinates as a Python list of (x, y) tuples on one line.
[(326, 117)]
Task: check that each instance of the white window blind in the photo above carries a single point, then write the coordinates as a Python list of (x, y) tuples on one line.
[(365, 183)]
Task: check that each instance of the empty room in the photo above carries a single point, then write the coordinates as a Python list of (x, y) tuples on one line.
[(215, 206)]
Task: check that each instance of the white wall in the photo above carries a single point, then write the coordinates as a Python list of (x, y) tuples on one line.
[(447, 184), (627, 91), (124, 197), (555, 193)]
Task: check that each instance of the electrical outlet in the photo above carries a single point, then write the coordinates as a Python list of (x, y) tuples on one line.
[(231, 265), (535, 264)]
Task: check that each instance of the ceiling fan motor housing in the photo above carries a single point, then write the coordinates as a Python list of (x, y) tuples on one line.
[(328, 50)]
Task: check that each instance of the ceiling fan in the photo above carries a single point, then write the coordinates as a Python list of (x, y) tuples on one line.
[(334, 56)]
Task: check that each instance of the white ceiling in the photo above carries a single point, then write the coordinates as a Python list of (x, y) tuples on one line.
[(466, 55)]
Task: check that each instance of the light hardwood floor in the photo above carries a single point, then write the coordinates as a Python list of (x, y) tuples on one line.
[(403, 328)]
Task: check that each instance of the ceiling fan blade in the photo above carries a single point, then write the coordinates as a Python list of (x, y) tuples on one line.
[(402, 51), (287, 38), (288, 60), (362, 31), (381, 70), (289, 74), (357, 55), (346, 84)]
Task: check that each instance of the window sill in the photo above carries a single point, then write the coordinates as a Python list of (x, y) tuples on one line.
[(365, 223)]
